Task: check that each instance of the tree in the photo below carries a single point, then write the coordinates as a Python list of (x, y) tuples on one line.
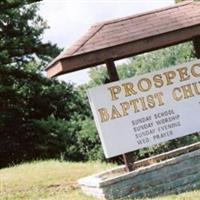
[(21, 30), (9, 4), (38, 117)]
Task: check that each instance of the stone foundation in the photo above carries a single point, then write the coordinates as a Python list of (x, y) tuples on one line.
[(174, 175)]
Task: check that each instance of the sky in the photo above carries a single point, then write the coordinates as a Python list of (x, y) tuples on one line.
[(70, 19)]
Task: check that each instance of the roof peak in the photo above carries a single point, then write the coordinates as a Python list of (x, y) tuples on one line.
[(99, 25)]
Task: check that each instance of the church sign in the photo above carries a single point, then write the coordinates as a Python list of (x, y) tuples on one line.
[(149, 109)]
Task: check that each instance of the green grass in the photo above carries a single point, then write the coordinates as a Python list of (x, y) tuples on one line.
[(54, 180), (50, 180)]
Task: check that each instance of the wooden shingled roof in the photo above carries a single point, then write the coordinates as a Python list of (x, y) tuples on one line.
[(128, 36)]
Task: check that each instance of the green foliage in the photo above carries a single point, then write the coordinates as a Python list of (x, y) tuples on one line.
[(10, 4), (89, 142), (21, 29), (37, 117), (98, 76), (161, 59)]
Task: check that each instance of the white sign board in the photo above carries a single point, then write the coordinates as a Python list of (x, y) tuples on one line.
[(148, 109)]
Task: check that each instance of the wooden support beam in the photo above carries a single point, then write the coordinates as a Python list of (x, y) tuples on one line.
[(129, 160), (112, 71), (113, 76), (196, 43)]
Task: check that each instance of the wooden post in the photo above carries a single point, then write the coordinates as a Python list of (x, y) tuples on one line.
[(129, 160), (112, 71), (113, 76), (196, 43)]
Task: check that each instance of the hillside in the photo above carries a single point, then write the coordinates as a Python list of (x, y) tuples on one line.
[(54, 180)]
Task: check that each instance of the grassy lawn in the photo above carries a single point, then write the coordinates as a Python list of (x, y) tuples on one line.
[(54, 180)]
